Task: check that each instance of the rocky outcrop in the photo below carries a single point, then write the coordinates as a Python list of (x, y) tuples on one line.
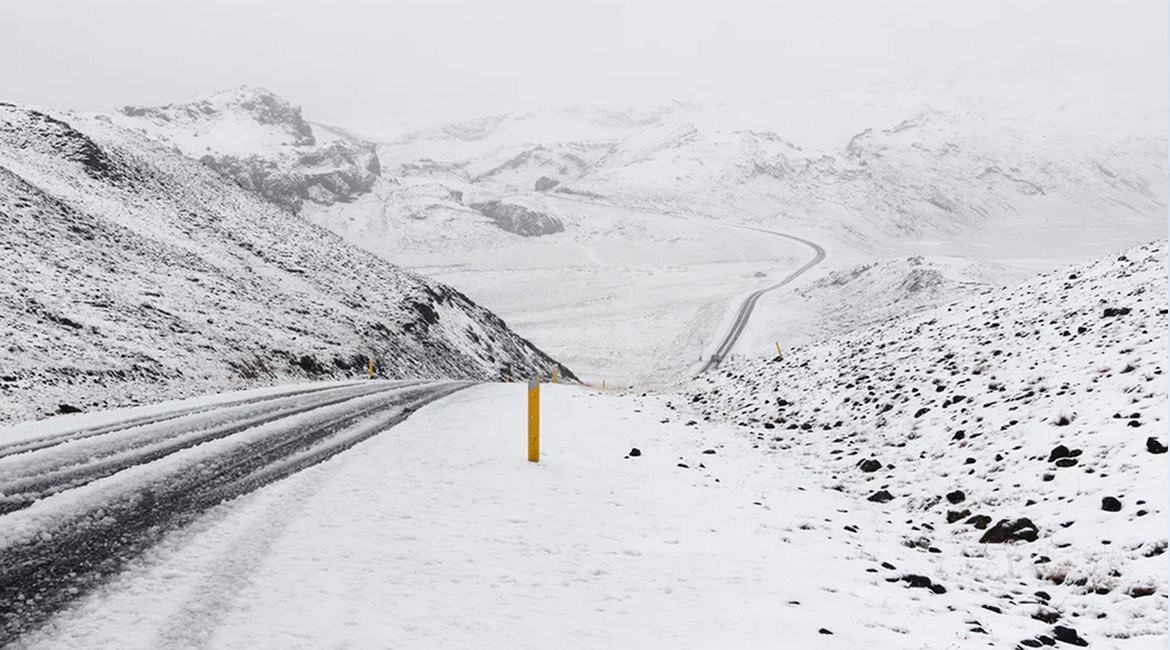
[(519, 219), (544, 184), (261, 141)]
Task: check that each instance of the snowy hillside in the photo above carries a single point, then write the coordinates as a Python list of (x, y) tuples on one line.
[(261, 141), (931, 172), (1013, 442), (136, 274), (864, 166), (866, 294)]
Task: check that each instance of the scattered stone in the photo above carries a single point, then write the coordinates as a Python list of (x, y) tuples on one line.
[(708, 451), (1046, 615), (887, 565), (1068, 635), (1011, 530), (824, 631), (1111, 312), (980, 522), (1059, 451), (684, 466), (956, 515), (921, 412), (871, 465), (1066, 462), (1154, 446), (1141, 591), (1110, 504), (881, 496), (635, 452), (67, 408), (956, 497)]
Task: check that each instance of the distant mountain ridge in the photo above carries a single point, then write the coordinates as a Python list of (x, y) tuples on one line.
[(262, 142)]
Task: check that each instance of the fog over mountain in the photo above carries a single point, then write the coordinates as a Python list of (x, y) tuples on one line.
[(439, 60)]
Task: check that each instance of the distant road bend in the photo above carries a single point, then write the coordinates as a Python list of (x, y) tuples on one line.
[(123, 486), (749, 304)]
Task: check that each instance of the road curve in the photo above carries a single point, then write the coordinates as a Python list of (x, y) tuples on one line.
[(78, 505), (749, 304)]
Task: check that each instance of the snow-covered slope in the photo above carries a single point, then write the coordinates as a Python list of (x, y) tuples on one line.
[(873, 292), (1015, 439), (931, 172), (134, 274), (261, 141)]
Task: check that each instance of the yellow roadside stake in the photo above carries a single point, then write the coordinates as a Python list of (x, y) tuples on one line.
[(534, 420), (554, 375), (778, 352), (371, 368)]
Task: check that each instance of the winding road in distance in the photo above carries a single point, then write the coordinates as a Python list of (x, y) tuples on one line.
[(744, 313), (749, 303)]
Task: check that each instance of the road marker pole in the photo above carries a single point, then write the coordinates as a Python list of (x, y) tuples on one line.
[(534, 420), (371, 368), (554, 375), (778, 352)]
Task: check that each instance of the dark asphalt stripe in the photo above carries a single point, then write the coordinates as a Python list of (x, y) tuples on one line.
[(36, 444), (24, 491), (41, 577)]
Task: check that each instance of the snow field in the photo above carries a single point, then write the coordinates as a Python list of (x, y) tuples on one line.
[(439, 533)]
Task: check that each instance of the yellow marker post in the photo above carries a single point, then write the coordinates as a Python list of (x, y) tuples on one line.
[(554, 375), (603, 384), (534, 420), (778, 352), (371, 368)]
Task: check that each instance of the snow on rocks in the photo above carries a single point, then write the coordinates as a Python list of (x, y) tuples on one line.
[(1032, 406), (439, 533), (134, 274), (260, 141)]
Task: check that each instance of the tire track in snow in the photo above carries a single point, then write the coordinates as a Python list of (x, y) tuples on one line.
[(64, 466), (43, 442), (65, 545)]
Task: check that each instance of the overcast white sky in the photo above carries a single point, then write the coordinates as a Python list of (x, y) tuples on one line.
[(353, 59)]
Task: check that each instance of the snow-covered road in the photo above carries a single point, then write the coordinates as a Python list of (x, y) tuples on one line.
[(744, 312), (749, 304), (440, 534), (77, 503)]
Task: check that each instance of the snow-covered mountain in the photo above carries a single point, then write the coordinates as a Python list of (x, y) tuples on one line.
[(133, 273), (879, 170), (933, 172), (1014, 440), (262, 142)]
